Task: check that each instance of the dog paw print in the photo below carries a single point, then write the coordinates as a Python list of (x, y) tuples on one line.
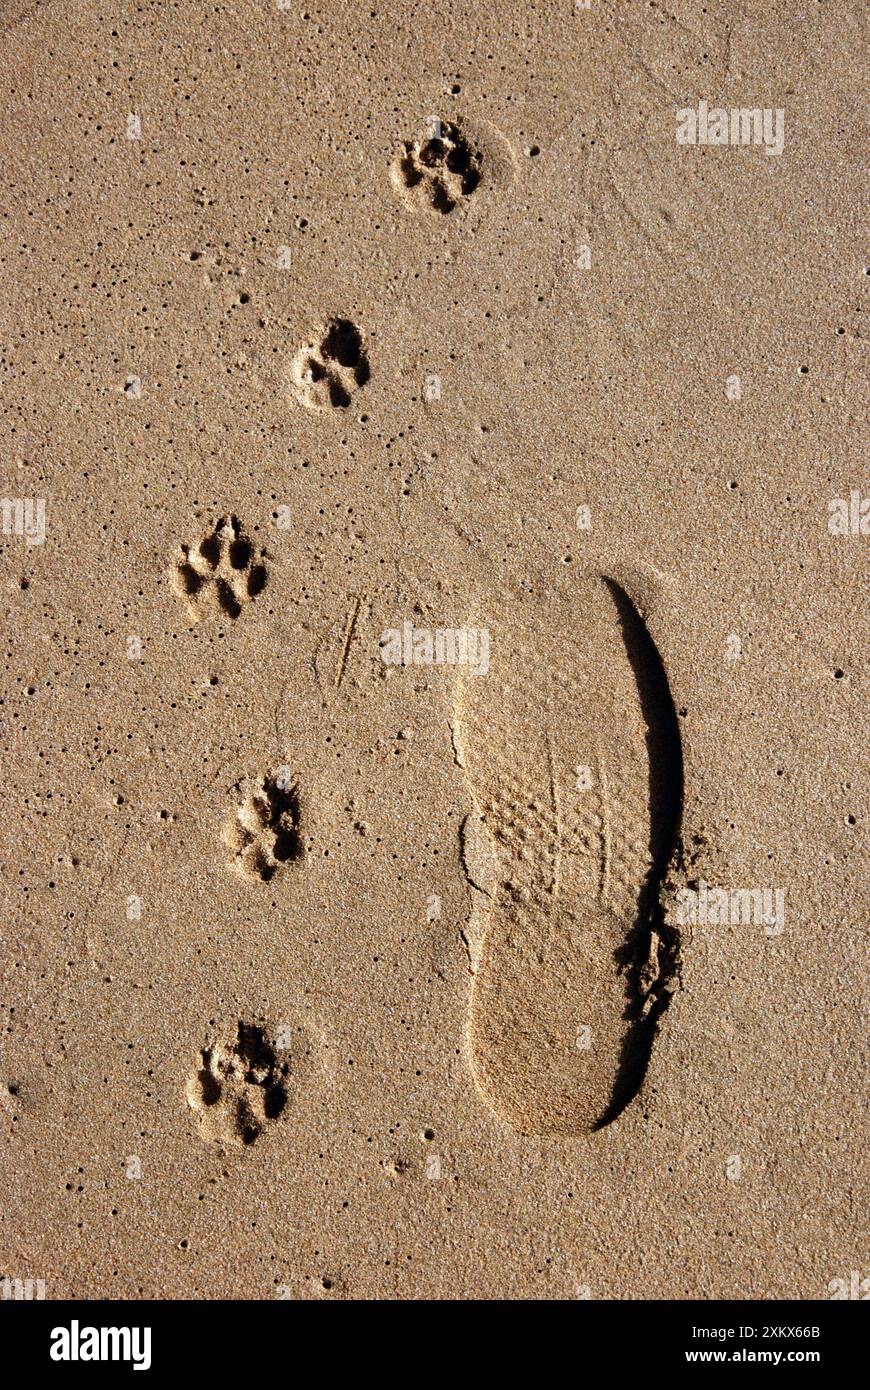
[(237, 1088), (439, 172), (325, 373), (263, 831), (220, 575)]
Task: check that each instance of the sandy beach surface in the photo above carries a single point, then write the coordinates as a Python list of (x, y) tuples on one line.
[(434, 706)]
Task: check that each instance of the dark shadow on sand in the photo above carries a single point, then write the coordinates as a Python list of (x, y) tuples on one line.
[(665, 753)]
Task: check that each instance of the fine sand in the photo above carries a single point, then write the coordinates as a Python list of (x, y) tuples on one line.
[(434, 730)]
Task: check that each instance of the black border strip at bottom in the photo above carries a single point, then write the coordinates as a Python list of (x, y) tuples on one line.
[(226, 1338)]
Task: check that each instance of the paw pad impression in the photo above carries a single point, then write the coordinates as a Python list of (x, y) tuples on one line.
[(238, 1088), (219, 576), (440, 172), (263, 832), (326, 373)]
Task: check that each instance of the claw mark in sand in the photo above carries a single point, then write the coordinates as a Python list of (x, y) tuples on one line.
[(350, 628)]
